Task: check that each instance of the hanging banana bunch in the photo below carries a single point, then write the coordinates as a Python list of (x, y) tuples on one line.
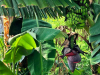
[(76, 18)]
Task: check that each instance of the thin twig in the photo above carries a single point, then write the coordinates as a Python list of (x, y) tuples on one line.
[(62, 61)]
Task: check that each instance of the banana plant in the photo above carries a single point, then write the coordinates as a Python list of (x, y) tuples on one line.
[(34, 42), (77, 18), (93, 19), (32, 28)]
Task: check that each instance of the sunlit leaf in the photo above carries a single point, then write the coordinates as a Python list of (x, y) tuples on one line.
[(22, 45), (9, 55)]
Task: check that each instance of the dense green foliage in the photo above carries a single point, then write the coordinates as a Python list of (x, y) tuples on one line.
[(35, 39)]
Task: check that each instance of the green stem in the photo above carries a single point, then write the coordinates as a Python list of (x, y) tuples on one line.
[(90, 21), (36, 19), (2, 49), (14, 67), (10, 67), (87, 29), (3, 54), (72, 41), (41, 59), (17, 70), (14, 62), (13, 57)]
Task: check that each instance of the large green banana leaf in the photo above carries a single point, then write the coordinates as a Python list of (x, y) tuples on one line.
[(96, 59), (95, 36), (4, 70), (40, 3), (28, 9), (30, 23), (42, 33), (25, 24), (45, 34), (94, 30), (96, 8), (23, 45), (48, 57)]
